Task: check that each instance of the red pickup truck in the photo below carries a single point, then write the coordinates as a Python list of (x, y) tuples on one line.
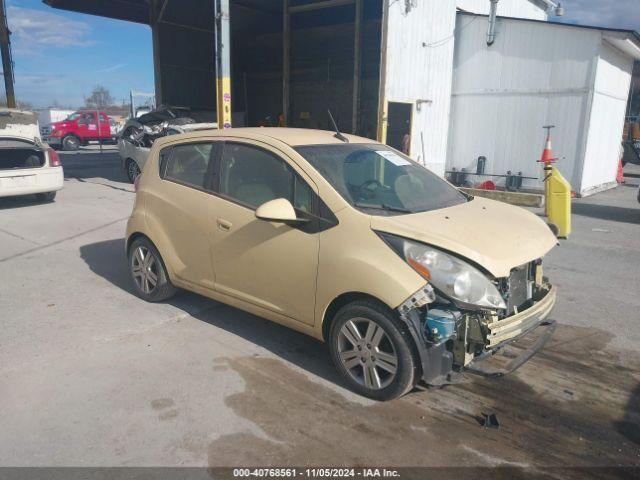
[(80, 128)]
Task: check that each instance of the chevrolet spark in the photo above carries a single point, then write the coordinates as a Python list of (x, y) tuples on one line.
[(347, 240)]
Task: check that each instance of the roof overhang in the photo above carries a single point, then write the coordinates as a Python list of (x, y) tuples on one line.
[(130, 10), (627, 42), (546, 4)]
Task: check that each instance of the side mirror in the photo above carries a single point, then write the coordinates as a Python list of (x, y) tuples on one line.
[(278, 210)]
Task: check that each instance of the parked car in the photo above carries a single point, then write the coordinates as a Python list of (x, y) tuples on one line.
[(27, 164), (80, 128), (351, 242), (138, 134)]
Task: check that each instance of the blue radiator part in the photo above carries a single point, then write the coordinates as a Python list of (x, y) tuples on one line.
[(441, 324)]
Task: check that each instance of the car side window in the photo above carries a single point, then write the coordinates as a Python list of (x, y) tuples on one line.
[(188, 164), (253, 176)]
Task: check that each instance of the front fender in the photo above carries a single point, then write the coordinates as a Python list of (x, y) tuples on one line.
[(366, 265)]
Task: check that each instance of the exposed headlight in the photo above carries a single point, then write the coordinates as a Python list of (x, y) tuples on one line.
[(459, 281)]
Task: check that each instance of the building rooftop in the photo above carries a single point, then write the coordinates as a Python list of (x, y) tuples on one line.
[(627, 41)]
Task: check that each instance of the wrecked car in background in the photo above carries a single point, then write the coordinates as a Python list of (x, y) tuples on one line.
[(27, 164), (139, 134)]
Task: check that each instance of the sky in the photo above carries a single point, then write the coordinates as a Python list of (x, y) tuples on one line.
[(604, 13), (60, 56)]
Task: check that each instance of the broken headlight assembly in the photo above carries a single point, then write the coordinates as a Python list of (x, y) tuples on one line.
[(454, 279)]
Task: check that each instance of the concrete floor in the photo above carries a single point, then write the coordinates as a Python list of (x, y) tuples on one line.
[(92, 376)]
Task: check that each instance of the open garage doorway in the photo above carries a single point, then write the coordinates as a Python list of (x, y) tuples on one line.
[(294, 60), (399, 126), (291, 60)]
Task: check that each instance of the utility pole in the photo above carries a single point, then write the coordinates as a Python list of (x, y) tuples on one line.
[(7, 62)]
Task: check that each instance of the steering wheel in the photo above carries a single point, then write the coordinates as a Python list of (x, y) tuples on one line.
[(366, 191)]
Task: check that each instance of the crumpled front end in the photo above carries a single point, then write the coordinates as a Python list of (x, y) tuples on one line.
[(449, 338)]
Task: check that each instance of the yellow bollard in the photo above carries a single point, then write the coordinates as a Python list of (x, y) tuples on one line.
[(557, 200)]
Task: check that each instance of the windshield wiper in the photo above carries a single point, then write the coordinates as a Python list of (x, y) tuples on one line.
[(382, 206)]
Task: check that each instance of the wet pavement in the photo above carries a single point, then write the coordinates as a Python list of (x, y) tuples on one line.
[(92, 376)]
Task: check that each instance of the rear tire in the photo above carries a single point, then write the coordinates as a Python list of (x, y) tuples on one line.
[(47, 197), (70, 143), (133, 170), (148, 272), (373, 351)]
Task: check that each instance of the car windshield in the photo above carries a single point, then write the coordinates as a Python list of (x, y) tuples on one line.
[(73, 116), (380, 180)]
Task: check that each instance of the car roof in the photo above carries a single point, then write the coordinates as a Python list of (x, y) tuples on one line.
[(293, 137)]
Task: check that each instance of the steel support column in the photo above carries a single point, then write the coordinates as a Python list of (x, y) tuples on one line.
[(154, 15), (223, 63), (382, 95), (286, 65), (356, 67)]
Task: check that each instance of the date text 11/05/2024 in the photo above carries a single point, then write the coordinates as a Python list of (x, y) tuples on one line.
[(316, 473)]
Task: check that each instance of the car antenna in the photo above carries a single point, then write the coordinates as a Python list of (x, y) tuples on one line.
[(338, 135)]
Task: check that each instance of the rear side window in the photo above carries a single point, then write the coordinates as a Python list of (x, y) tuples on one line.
[(188, 164), (254, 176)]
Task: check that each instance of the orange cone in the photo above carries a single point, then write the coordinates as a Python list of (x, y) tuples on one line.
[(547, 153)]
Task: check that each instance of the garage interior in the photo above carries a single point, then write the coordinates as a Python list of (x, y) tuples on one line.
[(299, 58)]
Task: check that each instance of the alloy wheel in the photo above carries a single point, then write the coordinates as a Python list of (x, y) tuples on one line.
[(133, 170), (367, 353), (145, 269)]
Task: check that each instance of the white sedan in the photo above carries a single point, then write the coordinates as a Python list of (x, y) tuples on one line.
[(27, 164)]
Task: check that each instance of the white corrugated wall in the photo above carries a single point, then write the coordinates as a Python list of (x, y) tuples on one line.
[(419, 67), (420, 49), (535, 74), (612, 84)]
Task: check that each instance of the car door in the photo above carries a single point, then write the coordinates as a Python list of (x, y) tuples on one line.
[(91, 126), (104, 128), (270, 265), (82, 126), (181, 210)]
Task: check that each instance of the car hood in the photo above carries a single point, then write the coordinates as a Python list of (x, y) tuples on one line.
[(492, 234)]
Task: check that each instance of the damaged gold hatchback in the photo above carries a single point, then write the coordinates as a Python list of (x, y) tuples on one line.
[(339, 237)]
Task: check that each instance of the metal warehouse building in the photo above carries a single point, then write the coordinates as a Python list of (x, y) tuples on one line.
[(385, 68)]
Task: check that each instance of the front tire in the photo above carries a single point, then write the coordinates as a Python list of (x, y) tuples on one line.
[(373, 351), (148, 272), (70, 143)]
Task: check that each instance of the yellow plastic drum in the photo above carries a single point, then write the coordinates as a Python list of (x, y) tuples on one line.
[(558, 201)]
